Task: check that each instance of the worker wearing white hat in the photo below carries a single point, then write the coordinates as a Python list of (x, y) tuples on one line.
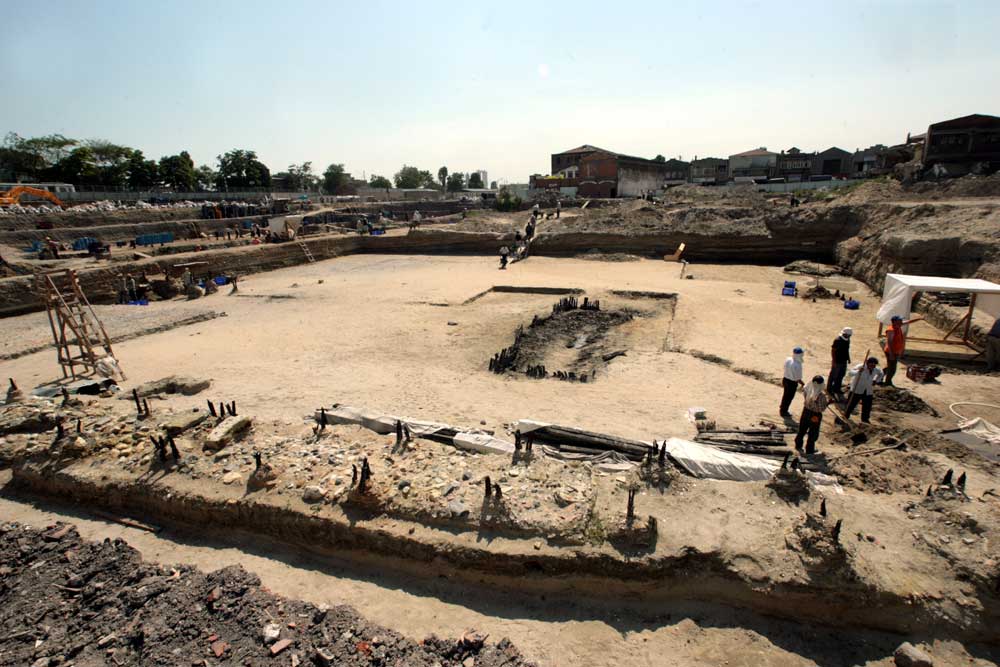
[(791, 381)]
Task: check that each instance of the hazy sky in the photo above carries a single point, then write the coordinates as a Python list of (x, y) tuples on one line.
[(491, 85)]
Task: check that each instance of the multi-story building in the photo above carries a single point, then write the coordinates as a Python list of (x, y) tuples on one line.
[(960, 145), (795, 165), (597, 172), (754, 164), (678, 171), (709, 170), (566, 164)]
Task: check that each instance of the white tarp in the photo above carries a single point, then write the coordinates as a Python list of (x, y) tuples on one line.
[(477, 441), (286, 225), (982, 429), (710, 462), (897, 295), (714, 463)]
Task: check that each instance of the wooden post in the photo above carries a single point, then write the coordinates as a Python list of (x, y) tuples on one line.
[(968, 321)]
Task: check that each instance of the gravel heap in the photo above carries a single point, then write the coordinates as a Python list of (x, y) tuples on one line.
[(67, 601)]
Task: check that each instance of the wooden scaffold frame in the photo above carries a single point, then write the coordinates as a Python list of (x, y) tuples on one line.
[(74, 324)]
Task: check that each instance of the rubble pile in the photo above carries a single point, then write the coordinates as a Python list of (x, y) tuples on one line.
[(67, 601), (817, 542), (421, 480), (101, 206)]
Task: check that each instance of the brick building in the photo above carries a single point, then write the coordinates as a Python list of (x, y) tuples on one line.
[(597, 172)]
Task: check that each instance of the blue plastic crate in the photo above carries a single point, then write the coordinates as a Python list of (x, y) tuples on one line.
[(852, 304), (790, 283), (787, 291)]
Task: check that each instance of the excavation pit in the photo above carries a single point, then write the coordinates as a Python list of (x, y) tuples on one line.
[(576, 341)]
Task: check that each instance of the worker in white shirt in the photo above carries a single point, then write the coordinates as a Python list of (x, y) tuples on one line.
[(791, 381), (863, 379)]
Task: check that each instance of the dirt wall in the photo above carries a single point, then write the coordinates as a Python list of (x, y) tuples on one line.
[(71, 218), (688, 574), (119, 232)]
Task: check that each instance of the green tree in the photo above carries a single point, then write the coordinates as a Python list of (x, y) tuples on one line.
[(205, 178), (493, 185), (241, 169), (380, 182), (660, 158), (111, 162), (177, 172), (79, 167), (301, 176), (142, 173), (456, 181), (411, 177), (335, 179), (476, 180), (35, 158), (443, 176)]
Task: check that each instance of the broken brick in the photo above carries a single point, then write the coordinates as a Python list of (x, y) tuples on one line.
[(280, 646)]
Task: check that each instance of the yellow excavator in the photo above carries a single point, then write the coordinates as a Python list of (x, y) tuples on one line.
[(12, 197)]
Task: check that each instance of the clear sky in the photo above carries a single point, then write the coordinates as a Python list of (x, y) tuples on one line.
[(491, 85)]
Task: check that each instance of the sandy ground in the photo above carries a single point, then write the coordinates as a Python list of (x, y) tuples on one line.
[(373, 331), (32, 331), (392, 333), (551, 630)]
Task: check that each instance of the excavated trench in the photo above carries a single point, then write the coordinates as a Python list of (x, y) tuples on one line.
[(576, 341), (688, 574), (867, 241)]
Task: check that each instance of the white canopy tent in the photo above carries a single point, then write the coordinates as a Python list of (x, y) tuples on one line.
[(897, 299)]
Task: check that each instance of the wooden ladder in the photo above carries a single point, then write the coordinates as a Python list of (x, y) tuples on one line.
[(305, 249), (74, 323)]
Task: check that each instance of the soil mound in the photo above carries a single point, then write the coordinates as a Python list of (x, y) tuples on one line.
[(819, 292), (886, 472), (811, 268), (99, 603), (901, 400), (966, 186), (597, 255)]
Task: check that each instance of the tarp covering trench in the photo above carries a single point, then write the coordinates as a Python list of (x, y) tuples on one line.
[(477, 441), (696, 459), (710, 462), (897, 295)]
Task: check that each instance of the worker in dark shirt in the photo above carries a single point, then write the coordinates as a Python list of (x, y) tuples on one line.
[(840, 353)]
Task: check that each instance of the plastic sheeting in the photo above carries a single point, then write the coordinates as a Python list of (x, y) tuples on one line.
[(897, 295), (710, 462), (982, 429), (477, 441)]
